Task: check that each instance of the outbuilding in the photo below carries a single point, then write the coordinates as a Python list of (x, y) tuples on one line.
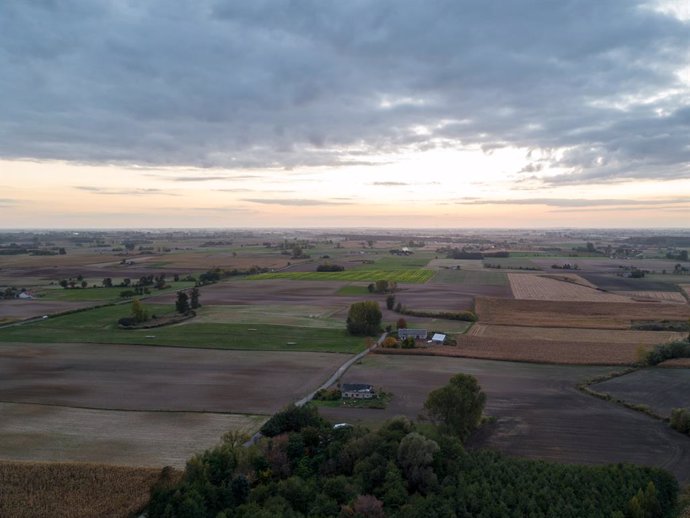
[(438, 338), (357, 391), (417, 334)]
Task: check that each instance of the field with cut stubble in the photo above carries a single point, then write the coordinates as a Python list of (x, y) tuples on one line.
[(538, 287)]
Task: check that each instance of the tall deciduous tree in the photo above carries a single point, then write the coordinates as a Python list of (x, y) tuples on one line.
[(182, 302), (194, 298), (457, 407), (364, 318)]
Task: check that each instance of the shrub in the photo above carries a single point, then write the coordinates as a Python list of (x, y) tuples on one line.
[(680, 420), (389, 342)]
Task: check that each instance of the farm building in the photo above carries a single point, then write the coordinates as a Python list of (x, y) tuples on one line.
[(438, 338), (417, 334), (357, 391)]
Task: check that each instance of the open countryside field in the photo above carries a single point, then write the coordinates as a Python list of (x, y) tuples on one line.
[(471, 278), (32, 433), (45, 490), (593, 315), (370, 275), (539, 412), (16, 309), (537, 287), (159, 378), (559, 334), (662, 296), (660, 389), (100, 326), (569, 352)]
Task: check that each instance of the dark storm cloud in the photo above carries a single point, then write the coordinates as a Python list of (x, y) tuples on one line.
[(211, 83)]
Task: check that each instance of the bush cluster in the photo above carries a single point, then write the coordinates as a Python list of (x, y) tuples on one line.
[(661, 353), (680, 420)]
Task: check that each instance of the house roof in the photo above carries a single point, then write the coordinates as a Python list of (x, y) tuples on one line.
[(438, 337), (357, 387)]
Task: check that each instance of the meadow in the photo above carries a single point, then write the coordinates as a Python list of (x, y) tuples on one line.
[(401, 276)]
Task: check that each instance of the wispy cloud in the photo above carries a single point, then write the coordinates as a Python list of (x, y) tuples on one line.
[(124, 192), (389, 184), (295, 202), (576, 202)]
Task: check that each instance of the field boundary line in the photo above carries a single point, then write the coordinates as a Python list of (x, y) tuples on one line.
[(134, 410)]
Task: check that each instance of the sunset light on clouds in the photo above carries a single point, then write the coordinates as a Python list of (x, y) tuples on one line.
[(344, 114)]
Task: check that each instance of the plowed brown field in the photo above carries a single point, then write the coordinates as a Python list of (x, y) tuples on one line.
[(593, 315), (560, 334), (536, 351), (662, 296)]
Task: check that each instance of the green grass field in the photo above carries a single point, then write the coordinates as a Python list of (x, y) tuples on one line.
[(352, 290), (100, 326), (419, 276), (102, 294), (394, 262)]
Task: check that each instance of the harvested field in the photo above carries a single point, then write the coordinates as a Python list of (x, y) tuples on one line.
[(539, 412), (560, 334), (686, 289), (45, 490), (17, 309), (153, 439), (530, 350), (677, 363), (594, 315), (538, 287), (159, 378), (651, 296), (660, 389)]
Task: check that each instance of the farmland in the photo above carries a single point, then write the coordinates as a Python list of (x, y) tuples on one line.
[(42, 490), (660, 389), (592, 315), (77, 388), (100, 326), (402, 276), (539, 412), (538, 287)]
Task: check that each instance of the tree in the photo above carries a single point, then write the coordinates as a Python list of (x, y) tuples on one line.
[(62, 251), (107, 282), (84, 284), (194, 298), (401, 323), (415, 457), (182, 302), (390, 301), (139, 313), (364, 318), (457, 407), (64, 283)]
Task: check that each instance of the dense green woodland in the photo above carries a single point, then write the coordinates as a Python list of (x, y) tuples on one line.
[(305, 468)]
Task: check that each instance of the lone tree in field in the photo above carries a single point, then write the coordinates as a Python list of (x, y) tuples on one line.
[(182, 303), (364, 318), (457, 408), (139, 313)]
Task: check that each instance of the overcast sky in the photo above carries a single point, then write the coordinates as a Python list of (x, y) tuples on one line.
[(315, 113)]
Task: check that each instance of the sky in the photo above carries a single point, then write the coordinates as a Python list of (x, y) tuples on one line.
[(363, 113)]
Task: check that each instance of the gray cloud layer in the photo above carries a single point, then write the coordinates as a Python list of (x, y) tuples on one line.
[(281, 84)]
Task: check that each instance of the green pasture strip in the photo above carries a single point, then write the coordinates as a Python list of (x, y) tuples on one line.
[(352, 290), (285, 315), (100, 326), (394, 262), (103, 294), (404, 276)]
